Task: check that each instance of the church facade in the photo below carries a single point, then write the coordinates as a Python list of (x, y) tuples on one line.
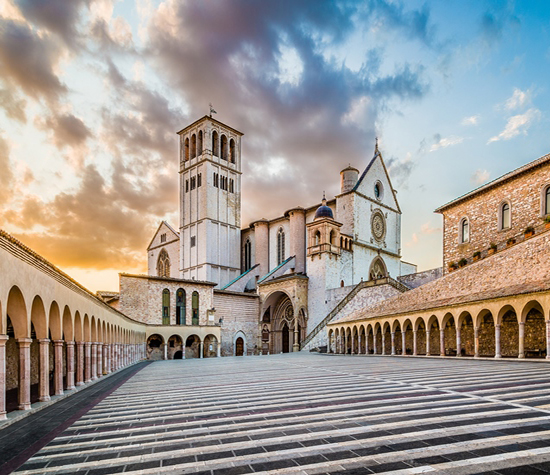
[(290, 272)]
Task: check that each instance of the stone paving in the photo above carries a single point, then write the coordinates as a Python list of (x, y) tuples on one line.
[(314, 414)]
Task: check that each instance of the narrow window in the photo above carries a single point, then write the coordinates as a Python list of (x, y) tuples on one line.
[(215, 143), (199, 179), (187, 149), (547, 202), (505, 216), (195, 306), (247, 255), (180, 307), (193, 241), (193, 146), (166, 307), (186, 186), (199, 144), (224, 147), (464, 231), (317, 238), (232, 151), (280, 246), (163, 237)]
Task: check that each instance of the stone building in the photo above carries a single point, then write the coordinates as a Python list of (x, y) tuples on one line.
[(496, 303), (276, 282)]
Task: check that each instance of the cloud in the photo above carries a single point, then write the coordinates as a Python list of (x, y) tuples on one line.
[(494, 23), (400, 170), (518, 100), (6, 172), (444, 142), (27, 61), (13, 105), (67, 130), (480, 176), (413, 241), (306, 109), (518, 124), (472, 120), (427, 228)]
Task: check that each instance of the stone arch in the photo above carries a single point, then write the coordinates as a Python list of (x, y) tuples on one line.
[(467, 334), (56, 322), (210, 349), (362, 339), (78, 327), (93, 330), (370, 339), (239, 344), (67, 324), (397, 337), (449, 334), (434, 340), (378, 338), (38, 318), (409, 336), (17, 313), (509, 331), (192, 347), (155, 347), (485, 324), (174, 346), (377, 269), (534, 330), (86, 328), (232, 151), (420, 327)]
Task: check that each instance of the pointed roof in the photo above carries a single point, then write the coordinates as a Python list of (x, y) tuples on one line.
[(158, 229), (376, 155)]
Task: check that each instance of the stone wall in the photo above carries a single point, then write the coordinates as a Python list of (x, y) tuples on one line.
[(524, 195), (240, 314), (141, 298)]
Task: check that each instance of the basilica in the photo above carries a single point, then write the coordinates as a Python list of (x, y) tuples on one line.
[(273, 285)]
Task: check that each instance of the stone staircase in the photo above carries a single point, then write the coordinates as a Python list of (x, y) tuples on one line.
[(352, 293)]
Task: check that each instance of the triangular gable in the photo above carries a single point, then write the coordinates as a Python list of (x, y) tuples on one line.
[(164, 227), (377, 165)]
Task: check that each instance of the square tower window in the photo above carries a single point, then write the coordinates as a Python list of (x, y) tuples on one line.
[(163, 237), (193, 241)]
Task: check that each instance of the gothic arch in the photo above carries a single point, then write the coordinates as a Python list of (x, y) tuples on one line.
[(163, 264), (377, 269)]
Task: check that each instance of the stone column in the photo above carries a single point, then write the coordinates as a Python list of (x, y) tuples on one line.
[(458, 342), (99, 360), (352, 344), (24, 373), (521, 340), (403, 348), (44, 378), (383, 343), (70, 365), (94, 361), (58, 367), (296, 345), (374, 343), (414, 342), (366, 344), (201, 349), (106, 368), (218, 348), (427, 343), (359, 343), (442, 342), (393, 343), (113, 357), (79, 363), (497, 341), (165, 351), (3, 341), (476, 342), (87, 361), (547, 339)]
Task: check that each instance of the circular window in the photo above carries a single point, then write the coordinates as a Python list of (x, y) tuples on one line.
[(378, 224), (378, 191)]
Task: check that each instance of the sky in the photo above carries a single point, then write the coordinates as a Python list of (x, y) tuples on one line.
[(92, 93)]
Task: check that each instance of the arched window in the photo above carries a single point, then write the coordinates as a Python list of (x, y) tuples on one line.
[(224, 147), (280, 246), (215, 143), (199, 143), (180, 307), (195, 308), (317, 238), (332, 238), (166, 307), (187, 149), (193, 146), (547, 201), (377, 269), (163, 264), (505, 217), (464, 230), (247, 254), (232, 151)]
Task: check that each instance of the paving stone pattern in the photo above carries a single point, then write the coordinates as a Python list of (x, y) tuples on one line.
[(314, 414)]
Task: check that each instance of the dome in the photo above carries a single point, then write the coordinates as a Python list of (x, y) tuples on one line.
[(323, 211)]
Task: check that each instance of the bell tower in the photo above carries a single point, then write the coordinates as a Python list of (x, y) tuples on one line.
[(210, 201)]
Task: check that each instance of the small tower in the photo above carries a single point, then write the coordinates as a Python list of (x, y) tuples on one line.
[(323, 232), (348, 179), (210, 201)]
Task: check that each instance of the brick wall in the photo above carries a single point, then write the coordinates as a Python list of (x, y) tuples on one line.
[(240, 313), (522, 192)]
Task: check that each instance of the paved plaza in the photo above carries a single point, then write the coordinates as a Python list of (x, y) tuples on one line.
[(313, 414)]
